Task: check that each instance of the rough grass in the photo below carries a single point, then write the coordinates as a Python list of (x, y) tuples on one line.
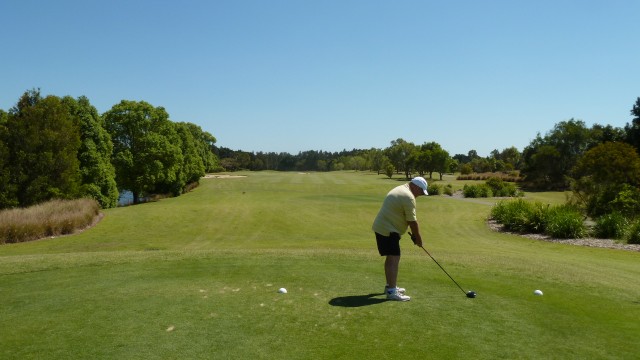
[(54, 218)]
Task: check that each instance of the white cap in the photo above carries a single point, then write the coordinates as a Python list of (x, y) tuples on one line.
[(421, 183)]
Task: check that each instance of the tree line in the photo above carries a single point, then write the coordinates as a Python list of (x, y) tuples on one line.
[(62, 148), (550, 162), (53, 147)]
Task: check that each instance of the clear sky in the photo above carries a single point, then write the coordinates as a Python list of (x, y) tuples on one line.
[(295, 75)]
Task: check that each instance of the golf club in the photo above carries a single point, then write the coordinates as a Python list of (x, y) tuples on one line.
[(469, 294)]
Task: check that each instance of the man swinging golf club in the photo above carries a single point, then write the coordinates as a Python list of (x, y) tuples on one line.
[(398, 212)]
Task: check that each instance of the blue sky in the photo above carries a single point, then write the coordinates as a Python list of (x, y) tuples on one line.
[(289, 76)]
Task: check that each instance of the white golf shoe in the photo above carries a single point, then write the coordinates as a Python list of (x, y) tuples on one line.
[(400, 290), (394, 294)]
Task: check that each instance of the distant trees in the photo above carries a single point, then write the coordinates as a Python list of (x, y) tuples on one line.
[(400, 153), (56, 147)]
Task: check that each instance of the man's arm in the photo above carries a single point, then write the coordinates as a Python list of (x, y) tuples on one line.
[(415, 233)]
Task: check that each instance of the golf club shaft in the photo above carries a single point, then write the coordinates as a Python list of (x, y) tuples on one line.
[(445, 271)]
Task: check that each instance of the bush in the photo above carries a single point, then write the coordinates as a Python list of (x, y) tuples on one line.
[(434, 189), (633, 235), (495, 183), (565, 222), (448, 190), (466, 169), (611, 226), (562, 221), (501, 188), (56, 217), (520, 216), (477, 191)]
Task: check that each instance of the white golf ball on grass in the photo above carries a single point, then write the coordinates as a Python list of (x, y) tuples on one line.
[(282, 291), (538, 292)]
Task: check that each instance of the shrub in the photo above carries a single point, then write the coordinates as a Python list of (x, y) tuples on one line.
[(611, 226), (495, 183), (633, 235), (389, 170), (434, 189), (448, 190), (520, 216), (477, 191), (501, 188), (466, 169), (565, 222), (562, 221)]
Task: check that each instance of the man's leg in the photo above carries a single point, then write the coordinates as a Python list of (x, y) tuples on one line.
[(391, 270)]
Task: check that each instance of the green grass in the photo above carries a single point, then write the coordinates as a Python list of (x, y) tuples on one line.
[(206, 266)]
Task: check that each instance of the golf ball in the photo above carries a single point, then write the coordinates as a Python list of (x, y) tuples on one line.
[(282, 291), (538, 292)]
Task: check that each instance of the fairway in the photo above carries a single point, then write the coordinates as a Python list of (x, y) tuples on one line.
[(197, 277)]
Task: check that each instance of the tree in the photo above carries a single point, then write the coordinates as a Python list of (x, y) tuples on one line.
[(389, 170), (146, 155), (432, 157), (205, 145), (43, 142), (511, 157), (633, 130), (548, 160), (603, 174), (399, 153), (608, 133), (440, 159), (377, 160), (192, 161), (7, 189), (96, 171)]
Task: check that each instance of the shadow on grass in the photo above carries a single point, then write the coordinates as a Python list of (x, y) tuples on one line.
[(357, 300)]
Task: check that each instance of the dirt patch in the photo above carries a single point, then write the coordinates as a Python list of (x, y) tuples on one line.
[(591, 242), (223, 176)]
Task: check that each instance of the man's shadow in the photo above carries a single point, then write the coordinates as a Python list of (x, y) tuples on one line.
[(357, 300)]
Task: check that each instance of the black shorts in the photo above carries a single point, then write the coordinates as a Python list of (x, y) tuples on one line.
[(388, 245)]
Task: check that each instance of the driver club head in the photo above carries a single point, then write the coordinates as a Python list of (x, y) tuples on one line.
[(471, 294)]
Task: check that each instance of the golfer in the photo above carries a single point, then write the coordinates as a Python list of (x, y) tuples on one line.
[(398, 212)]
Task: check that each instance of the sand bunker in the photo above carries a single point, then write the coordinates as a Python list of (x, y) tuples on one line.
[(223, 176)]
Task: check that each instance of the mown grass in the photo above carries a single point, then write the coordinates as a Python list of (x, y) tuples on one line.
[(53, 218), (197, 277)]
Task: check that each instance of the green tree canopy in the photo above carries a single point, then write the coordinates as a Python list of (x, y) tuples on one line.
[(603, 173), (7, 189), (548, 159), (193, 164), (400, 153), (94, 154), (633, 130), (43, 142), (146, 155)]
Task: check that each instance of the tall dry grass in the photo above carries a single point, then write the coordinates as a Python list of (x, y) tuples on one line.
[(53, 218), (510, 177)]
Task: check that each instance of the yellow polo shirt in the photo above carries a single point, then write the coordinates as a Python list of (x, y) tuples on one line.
[(398, 208)]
